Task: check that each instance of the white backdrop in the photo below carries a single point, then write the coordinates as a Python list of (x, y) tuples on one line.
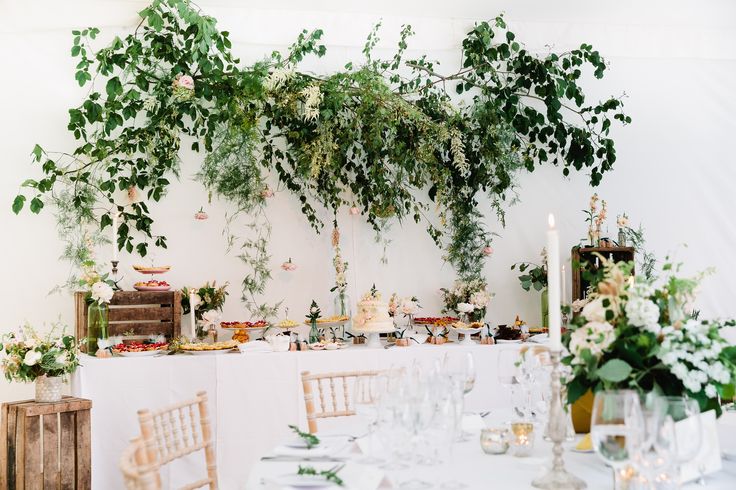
[(675, 172)]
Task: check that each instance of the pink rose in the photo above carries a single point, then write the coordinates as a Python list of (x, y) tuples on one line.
[(266, 193), (289, 266), (354, 211), (185, 81), (200, 215), (487, 251)]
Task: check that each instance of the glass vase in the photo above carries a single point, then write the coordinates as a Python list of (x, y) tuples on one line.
[(97, 322), (343, 308), (545, 308), (314, 336), (621, 238)]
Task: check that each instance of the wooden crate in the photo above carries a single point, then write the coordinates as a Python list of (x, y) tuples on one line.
[(581, 255), (143, 312), (46, 445)]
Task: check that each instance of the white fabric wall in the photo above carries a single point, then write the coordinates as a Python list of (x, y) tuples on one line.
[(674, 174)]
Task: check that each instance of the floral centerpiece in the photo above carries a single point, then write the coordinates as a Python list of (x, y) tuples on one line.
[(206, 298), (408, 307), (313, 316), (46, 360), (467, 297), (595, 219), (100, 291), (636, 335), (342, 300), (535, 275)]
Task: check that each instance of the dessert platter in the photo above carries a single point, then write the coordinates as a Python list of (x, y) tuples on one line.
[(152, 285), (136, 349), (243, 330), (210, 349), (328, 345), (373, 318), (467, 329), (512, 334), (152, 270), (439, 321), (331, 321), (287, 324)]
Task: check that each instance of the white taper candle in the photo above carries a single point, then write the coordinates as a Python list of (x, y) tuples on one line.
[(553, 284), (192, 321)]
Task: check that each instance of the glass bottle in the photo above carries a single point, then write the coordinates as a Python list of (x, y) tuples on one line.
[(314, 336), (97, 322)]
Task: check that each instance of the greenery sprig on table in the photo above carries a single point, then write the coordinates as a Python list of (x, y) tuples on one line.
[(374, 135), (329, 475), (309, 439)]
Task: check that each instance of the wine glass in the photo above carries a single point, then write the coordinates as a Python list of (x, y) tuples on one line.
[(469, 372), (615, 424), (685, 412), (367, 396), (654, 458)]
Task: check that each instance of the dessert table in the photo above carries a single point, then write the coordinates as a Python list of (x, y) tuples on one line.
[(253, 396), (478, 470)]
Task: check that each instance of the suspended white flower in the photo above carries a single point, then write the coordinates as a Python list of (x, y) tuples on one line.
[(312, 99), (277, 78)]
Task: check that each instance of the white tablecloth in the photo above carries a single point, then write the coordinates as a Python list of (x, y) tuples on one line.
[(253, 397), (481, 471)]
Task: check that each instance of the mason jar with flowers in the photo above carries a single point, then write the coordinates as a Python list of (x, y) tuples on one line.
[(635, 334), (29, 357)]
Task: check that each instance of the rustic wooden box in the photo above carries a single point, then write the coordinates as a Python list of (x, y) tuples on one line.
[(45, 445), (143, 312), (588, 254)]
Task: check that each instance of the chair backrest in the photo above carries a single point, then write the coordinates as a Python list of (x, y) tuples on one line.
[(176, 431), (333, 392), (137, 474)]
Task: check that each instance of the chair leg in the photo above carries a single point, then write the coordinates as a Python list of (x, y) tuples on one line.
[(209, 450)]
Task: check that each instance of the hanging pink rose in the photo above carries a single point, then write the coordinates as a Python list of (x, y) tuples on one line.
[(185, 81), (200, 215), (266, 193), (488, 251), (289, 266), (354, 211)]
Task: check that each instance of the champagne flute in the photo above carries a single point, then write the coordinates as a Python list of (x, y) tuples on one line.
[(615, 424), (685, 412)]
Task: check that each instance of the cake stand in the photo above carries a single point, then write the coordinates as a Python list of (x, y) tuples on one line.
[(374, 335)]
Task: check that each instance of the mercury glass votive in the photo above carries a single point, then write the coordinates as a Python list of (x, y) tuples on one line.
[(522, 438), (494, 440)]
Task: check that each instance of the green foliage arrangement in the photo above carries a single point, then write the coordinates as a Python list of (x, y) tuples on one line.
[(533, 275), (29, 355), (378, 135)]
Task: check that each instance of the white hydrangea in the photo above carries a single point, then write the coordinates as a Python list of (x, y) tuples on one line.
[(710, 391), (480, 299), (643, 313)]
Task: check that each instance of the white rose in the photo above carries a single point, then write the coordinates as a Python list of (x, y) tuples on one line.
[(31, 358), (101, 292), (408, 307), (313, 310), (464, 307), (594, 311)]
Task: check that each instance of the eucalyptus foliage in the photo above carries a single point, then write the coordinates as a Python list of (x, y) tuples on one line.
[(381, 135)]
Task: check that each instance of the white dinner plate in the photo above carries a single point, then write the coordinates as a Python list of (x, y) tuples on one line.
[(209, 352), (145, 353), (506, 341), (304, 481), (540, 338), (298, 443)]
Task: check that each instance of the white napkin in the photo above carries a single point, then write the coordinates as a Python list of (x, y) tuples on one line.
[(327, 447), (255, 346)]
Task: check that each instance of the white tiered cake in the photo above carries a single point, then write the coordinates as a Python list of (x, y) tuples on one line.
[(372, 315)]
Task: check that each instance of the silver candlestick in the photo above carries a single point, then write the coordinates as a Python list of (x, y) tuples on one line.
[(557, 478)]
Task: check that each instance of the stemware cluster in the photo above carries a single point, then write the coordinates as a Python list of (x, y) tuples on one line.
[(415, 416), (645, 439)]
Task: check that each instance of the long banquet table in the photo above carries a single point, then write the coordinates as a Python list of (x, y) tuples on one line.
[(252, 396)]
